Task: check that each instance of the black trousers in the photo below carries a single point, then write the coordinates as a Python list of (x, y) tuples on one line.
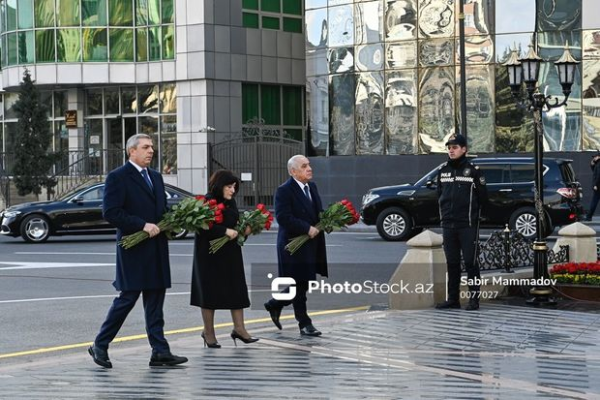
[(459, 241), (299, 303), (153, 310), (593, 204)]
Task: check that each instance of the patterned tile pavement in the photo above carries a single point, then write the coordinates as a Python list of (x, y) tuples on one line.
[(500, 352)]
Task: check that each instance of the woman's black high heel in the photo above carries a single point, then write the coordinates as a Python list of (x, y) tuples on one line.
[(235, 335), (214, 345)]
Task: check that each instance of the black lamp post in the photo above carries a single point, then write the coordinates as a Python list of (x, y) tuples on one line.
[(526, 70)]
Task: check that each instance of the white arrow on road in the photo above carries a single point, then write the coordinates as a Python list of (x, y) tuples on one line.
[(48, 265)]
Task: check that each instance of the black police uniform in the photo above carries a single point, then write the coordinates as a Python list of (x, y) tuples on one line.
[(461, 191)]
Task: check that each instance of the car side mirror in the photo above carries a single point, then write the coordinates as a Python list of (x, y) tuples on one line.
[(78, 200), (430, 184)]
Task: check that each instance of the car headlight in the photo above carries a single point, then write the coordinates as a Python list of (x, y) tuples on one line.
[(10, 214), (369, 197)]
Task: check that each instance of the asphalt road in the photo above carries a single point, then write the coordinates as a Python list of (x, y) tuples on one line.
[(58, 293)]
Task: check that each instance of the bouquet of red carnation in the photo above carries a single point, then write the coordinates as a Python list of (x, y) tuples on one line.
[(257, 220), (192, 214), (335, 217)]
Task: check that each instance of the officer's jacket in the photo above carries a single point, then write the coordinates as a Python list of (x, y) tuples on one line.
[(462, 192)]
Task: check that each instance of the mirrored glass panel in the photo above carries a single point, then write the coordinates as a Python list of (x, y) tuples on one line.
[(25, 14), (128, 100), (93, 102), (341, 60), (341, 105), (95, 44), (506, 43), (121, 41), (317, 103), (591, 44), (141, 44), (436, 52), (480, 107), (553, 15), (44, 13), (400, 20), (316, 29), (93, 12), (120, 12), (368, 113), (10, 8), (148, 99), (111, 101), (68, 44), (436, 18), (153, 12), (60, 103), (367, 22), (67, 13), (369, 58), (479, 17), (341, 26), (168, 42), (168, 144), (12, 48), (401, 119), (168, 98), (141, 12), (514, 125), (591, 104), (338, 2), (310, 4), (26, 47), (478, 50), (401, 54), (44, 46), (510, 21), (10, 100), (436, 108)]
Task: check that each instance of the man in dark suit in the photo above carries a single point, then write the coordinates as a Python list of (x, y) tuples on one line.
[(134, 200), (297, 208)]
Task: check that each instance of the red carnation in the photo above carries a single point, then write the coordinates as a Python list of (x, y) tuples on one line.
[(212, 202), (260, 206)]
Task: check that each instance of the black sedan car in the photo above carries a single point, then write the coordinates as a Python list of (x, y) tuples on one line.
[(403, 210), (78, 213)]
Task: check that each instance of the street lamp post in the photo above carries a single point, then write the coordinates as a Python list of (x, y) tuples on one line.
[(526, 70)]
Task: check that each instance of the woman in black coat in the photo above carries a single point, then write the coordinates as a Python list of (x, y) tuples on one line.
[(218, 280)]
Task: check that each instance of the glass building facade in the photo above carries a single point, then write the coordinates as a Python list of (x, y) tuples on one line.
[(50, 31), (383, 76)]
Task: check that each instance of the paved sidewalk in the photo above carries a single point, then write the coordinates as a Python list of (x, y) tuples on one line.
[(500, 352)]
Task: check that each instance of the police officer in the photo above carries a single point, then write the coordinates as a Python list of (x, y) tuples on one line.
[(461, 191)]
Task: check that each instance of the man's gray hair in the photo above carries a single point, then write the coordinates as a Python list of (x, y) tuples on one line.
[(294, 162), (134, 140)]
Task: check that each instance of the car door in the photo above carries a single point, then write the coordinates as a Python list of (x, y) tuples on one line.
[(497, 177), (424, 202), (85, 213)]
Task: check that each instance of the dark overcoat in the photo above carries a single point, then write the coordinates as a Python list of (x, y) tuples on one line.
[(218, 280), (295, 215), (129, 204)]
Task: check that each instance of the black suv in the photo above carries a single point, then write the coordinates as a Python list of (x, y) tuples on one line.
[(402, 211)]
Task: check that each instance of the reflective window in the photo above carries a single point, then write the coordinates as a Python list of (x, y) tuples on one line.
[(168, 42), (153, 12), (26, 47), (168, 98), (111, 101), (141, 12), (368, 22), (168, 16), (120, 12), (148, 99), (141, 44), (94, 102), (12, 48), (44, 13), (168, 144), (400, 20), (95, 44), (25, 14), (11, 15), (522, 21), (436, 107), (44, 46), (342, 114), (121, 41), (341, 26), (129, 103), (60, 103), (368, 113), (436, 18), (69, 45), (401, 117), (154, 42), (522, 173), (67, 13), (93, 12)]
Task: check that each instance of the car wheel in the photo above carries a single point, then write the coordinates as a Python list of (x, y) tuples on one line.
[(394, 224), (524, 221), (35, 229), (180, 235)]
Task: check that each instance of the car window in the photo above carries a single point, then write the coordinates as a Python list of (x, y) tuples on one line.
[(521, 173), (495, 173), (94, 194), (172, 195)]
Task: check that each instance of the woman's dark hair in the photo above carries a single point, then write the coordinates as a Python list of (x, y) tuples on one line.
[(219, 180)]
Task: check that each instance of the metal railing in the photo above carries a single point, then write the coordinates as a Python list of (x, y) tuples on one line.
[(509, 249), (79, 168)]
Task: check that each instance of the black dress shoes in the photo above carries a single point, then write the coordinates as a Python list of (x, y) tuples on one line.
[(275, 313), (100, 356), (473, 305), (166, 360), (448, 304), (309, 330)]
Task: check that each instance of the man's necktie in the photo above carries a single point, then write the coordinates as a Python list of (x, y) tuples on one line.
[(307, 192), (147, 179)]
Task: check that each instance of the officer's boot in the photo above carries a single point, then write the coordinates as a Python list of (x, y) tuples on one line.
[(473, 298)]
